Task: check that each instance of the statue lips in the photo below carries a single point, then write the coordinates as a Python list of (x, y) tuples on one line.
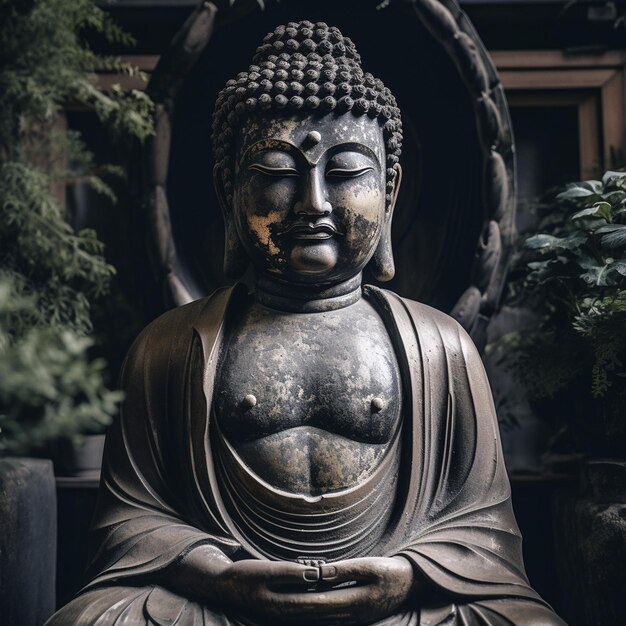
[(305, 231)]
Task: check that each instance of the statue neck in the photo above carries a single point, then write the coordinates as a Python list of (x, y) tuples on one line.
[(294, 298)]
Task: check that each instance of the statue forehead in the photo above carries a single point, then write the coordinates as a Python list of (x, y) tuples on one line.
[(312, 135)]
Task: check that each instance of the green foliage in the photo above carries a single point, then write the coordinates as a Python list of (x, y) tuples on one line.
[(49, 389), (63, 268), (46, 62), (50, 275), (576, 270)]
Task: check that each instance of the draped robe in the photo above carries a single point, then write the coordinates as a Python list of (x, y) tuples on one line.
[(160, 498)]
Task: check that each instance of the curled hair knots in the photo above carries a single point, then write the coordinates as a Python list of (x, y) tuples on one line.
[(308, 67)]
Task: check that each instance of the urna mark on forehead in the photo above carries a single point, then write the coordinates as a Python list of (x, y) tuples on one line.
[(311, 136)]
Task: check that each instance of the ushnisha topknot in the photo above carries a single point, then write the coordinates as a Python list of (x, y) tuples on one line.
[(311, 68)]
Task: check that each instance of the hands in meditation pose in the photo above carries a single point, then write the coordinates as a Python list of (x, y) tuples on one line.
[(309, 451)]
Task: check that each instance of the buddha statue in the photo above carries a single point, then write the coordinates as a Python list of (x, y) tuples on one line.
[(299, 448)]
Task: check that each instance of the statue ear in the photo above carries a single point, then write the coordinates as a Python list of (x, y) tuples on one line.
[(235, 258), (382, 265)]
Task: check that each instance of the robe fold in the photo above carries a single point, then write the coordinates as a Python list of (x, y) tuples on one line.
[(160, 498)]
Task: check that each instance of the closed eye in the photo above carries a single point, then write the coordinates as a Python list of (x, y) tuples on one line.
[(274, 171), (340, 172)]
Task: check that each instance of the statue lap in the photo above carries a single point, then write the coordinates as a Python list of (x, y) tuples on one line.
[(153, 605)]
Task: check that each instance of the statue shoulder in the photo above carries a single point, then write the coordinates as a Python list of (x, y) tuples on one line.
[(424, 311), (434, 326), (169, 334)]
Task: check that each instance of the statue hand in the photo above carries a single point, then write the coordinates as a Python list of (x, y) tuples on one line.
[(251, 586), (287, 592), (383, 586)]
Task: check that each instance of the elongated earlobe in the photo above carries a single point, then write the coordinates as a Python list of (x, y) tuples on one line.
[(382, 264), (235, 257)]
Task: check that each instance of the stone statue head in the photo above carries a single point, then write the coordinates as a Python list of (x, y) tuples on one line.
[(307, 148)]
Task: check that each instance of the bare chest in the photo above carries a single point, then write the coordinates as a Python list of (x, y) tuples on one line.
[(316, 396)]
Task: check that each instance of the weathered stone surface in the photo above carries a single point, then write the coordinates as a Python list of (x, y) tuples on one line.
[(303, 450)]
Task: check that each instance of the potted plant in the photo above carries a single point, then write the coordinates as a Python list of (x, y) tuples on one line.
[(49, 390), (51, 387), (572, 273)]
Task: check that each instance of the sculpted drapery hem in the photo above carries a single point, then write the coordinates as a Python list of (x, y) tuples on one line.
[(159, 498)]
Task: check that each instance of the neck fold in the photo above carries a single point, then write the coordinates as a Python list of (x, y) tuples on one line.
[(283, 296)]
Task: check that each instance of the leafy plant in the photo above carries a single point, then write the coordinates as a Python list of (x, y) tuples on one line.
[(49, 388), (51, 275), (573, 273)]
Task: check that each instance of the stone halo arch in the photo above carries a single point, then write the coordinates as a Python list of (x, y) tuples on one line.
[(494, 197)]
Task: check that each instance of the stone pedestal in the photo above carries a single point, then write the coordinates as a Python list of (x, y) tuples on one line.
[(591, 544), (28, 534)]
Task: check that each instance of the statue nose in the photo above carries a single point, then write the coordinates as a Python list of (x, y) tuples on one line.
[(313, 200)]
